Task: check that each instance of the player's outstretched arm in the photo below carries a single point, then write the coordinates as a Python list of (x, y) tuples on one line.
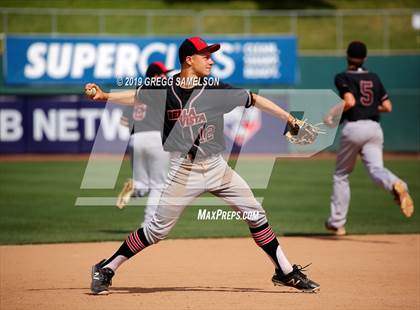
[(297, 131), (270, 107), (332, 118), (94, 92)]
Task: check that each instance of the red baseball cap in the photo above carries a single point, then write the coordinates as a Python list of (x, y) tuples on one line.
[(195, 45), (156, 68)]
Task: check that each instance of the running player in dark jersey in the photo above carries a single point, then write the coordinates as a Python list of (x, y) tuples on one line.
[(364, 98)]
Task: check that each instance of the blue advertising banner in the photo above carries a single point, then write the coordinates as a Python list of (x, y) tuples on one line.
[(59, 124), (43, 60), (12, 132)]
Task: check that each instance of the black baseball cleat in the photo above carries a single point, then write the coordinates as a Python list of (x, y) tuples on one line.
[(296, 279), (101, 279)]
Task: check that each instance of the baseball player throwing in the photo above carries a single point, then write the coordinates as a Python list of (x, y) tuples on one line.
[(364, 98), (191, 114)]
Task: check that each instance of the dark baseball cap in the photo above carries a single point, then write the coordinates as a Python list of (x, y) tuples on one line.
[(156, 68), (357, 49), (195, 45)]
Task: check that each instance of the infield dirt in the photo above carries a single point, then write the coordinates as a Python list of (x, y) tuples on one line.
[(355, 272)]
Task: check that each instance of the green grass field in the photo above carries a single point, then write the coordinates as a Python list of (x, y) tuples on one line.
[(37, 204)]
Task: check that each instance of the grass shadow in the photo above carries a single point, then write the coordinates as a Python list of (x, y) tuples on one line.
[(330, 237)]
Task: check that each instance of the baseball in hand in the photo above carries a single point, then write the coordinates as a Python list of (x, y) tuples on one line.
[(91, 92)]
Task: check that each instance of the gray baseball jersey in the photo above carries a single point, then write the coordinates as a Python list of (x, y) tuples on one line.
[(193, 133)]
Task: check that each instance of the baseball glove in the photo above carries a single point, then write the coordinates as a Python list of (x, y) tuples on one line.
[(301, 132)]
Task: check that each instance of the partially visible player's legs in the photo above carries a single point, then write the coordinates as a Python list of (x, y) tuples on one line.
[(182, 187), (139, 163), (340, 198), (157, 169), (184, 183), (372, 157), (178, 193), (236, 192), (151, 204), (128, 188)]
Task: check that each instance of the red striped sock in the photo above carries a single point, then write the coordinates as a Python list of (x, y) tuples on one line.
[(135, 242), (265, 238)]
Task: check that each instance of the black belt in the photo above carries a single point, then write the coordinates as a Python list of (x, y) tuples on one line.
[(190, 155), (363, 119)]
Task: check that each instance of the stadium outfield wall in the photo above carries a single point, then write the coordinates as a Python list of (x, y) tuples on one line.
[(400, 75)]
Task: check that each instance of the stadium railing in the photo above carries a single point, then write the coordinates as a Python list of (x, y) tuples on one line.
[(326, 31)]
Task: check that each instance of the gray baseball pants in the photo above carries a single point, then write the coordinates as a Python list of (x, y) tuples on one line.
[(364, 137), (189, 179), (150, 168)]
